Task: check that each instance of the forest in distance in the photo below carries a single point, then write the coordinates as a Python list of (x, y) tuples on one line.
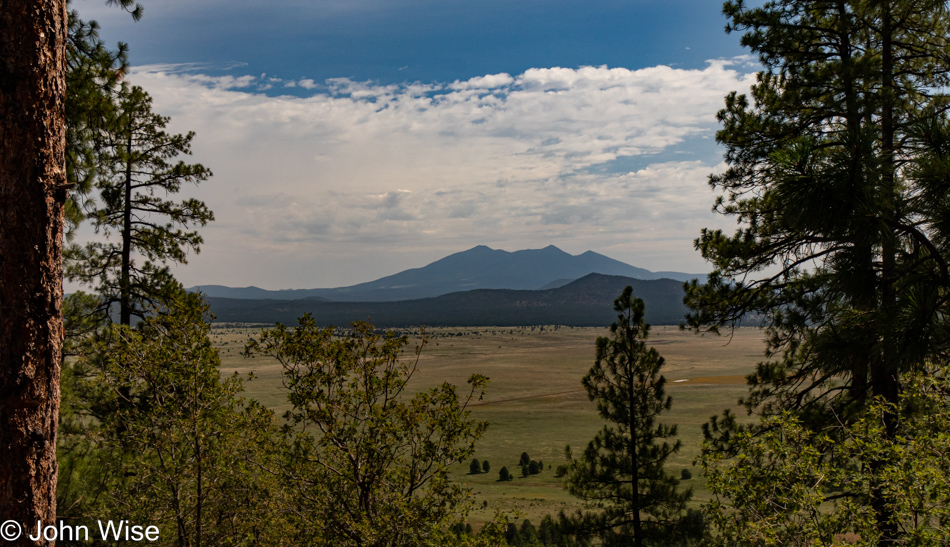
[(797, 394)]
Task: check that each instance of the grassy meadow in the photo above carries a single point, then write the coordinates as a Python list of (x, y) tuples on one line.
[(535, 402)]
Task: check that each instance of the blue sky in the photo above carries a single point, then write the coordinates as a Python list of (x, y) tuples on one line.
[(351, 139)]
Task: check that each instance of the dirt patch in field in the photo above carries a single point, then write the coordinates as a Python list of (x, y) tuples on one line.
[(733, 379)]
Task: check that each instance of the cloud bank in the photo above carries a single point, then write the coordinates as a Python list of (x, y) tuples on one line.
[(356, 180)]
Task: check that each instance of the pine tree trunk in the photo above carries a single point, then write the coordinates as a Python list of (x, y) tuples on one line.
[(32, 193), (125, 280), (884, 374), (635, 464)]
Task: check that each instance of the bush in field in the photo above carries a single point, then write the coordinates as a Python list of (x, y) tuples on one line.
[(475, 467), (504, 475), (534, 467), (485, 466), (686, 475)]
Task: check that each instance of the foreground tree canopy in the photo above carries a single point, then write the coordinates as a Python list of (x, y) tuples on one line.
[(153, 433), (838, 175), (368, 463)]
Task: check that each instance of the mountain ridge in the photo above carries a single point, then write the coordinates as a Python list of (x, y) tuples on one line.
[(587, 301), (480, 267)]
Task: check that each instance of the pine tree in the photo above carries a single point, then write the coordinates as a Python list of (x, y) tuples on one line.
[(841, 249), (622, 467), (137, 169)]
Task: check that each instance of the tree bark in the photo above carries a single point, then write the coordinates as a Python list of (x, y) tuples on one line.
[(32, 193)]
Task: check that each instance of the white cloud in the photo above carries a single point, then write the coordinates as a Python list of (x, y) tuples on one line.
[(418, 170), (489, 81)]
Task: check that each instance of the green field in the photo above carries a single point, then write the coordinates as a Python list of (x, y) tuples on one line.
[(535, 402)]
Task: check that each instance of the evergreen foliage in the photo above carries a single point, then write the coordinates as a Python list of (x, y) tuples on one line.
[(784, 488), (837, 176), (136, 167), (93, 72), (547, 534), (475, 467), (179, 450), (622, 467)]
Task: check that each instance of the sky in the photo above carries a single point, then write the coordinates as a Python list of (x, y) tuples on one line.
[(352, 139)]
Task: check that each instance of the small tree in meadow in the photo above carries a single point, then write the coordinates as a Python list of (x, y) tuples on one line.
[(623, 466), (475, 467), (485, 466), (504, 475)]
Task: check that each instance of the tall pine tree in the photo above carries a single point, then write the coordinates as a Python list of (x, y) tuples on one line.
[(622, 467), (838, 250), (138, 167)]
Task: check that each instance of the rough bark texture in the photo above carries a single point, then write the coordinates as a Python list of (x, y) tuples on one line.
[(32, 193)]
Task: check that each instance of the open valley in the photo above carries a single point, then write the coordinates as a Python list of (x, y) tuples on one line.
[(535, 402)]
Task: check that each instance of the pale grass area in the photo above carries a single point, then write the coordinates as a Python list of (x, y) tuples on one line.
[(535, 402)]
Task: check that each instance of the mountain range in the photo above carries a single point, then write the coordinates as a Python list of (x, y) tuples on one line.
[(480, 267), (587, 301)]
